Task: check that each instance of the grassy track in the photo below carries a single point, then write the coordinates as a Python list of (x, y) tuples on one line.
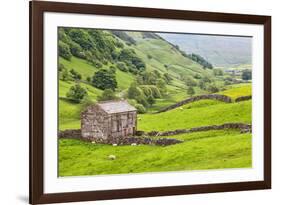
[(203, 150)]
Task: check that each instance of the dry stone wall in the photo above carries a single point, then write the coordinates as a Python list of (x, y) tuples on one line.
[(70, 133), (243, 98), (76, 134), (244, 128), (219, 97)]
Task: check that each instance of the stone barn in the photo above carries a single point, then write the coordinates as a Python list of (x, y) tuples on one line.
[(108, 120)]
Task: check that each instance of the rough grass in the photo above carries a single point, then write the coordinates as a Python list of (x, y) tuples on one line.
[(200, 151)]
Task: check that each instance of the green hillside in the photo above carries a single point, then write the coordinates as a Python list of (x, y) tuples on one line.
[(151, 74), (143, 58), (223, 51)]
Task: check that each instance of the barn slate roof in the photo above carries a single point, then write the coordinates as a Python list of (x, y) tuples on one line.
[(119, 106)]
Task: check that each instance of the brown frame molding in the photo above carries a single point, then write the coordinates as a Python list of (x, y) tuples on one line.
[(37, 8)]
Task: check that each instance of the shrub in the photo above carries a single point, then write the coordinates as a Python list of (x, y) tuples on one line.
[(212, 88), (150, 100), (190, 91), (140, 108), (155, 91), (76, 93), (202, 85), (146, 90), (161, 85), (122, 66), (97, 64), (167, 77), (107, 94), (64, 75), (134, 91), (197, 76), (218, 72), (75, 75), (190, 81), (149, 56)]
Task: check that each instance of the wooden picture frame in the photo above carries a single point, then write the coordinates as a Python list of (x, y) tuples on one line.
[(37, 9)]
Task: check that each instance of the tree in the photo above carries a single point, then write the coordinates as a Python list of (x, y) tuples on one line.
[(150, 100), (190, 91), (202, 84), (122, 66), (218, 72), (76, 93), (133, 91), (190, 81), (140, 108), (64, 51), (199, 59), (206, 79), (75, 75), (107, 94), (65, 75), (212, 88), (104, 79), (197, 76), (167, 78), (247, 74), (161, 85)]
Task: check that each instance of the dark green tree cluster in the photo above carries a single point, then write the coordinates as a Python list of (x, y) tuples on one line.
[(99, 48), (64, 50), (200, 60), (104, 79), (133, 62)]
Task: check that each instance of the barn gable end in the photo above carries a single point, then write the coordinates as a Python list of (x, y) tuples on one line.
[(109, 119)]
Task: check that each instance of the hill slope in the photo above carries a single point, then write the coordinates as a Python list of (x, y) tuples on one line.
[(220, 51)]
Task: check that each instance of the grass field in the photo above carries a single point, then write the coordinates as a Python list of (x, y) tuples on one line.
[(200, 151), (188, 117), (235, 91)]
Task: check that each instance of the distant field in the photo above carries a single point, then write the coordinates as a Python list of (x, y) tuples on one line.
[(235, 91), (188, 116), (200, 151)]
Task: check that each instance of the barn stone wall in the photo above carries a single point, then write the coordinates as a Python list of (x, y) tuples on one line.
[(95, 123), (123, 124)]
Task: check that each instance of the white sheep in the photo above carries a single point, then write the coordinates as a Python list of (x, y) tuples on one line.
[(112, 157)]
